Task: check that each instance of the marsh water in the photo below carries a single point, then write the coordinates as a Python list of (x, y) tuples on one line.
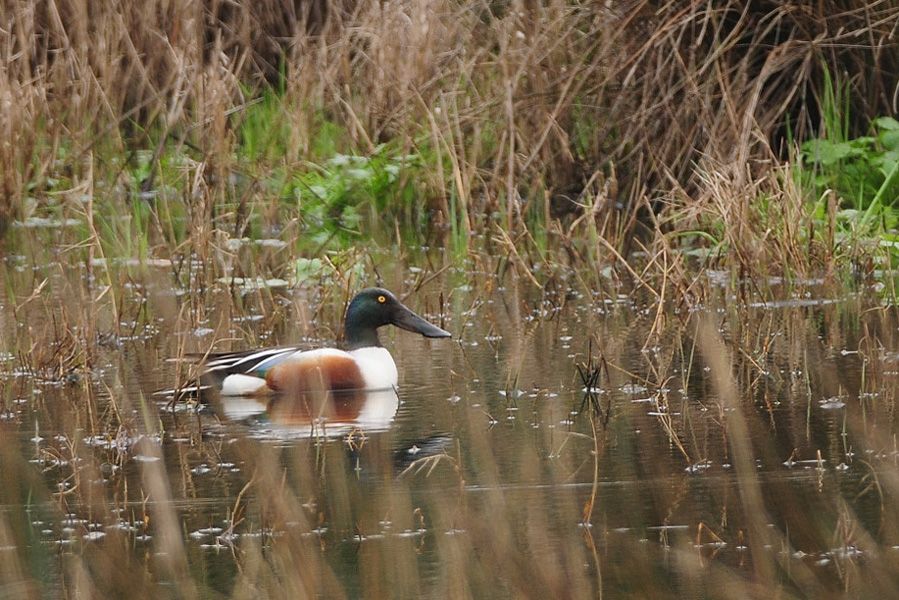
[(496, 469)]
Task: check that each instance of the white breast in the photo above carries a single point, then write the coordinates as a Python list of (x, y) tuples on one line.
[(377, 367)]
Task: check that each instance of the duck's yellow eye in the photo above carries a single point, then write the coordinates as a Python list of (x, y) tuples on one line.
[(382, 299)]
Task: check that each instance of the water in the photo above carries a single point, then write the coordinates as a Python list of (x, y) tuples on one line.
[(476, 478)]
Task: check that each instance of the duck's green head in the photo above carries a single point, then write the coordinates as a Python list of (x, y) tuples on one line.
[(375, 307)]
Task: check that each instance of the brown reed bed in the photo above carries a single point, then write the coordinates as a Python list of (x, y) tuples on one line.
[(600, 117)]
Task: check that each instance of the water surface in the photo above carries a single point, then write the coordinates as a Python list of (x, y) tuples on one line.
[(491, 472)]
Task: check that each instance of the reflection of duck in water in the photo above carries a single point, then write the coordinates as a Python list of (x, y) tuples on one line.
[(365, 365), (318, 413)]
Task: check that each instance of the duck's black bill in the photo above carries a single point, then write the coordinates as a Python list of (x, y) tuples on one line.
[(408, 320)]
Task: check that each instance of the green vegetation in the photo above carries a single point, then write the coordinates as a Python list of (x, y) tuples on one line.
[(862, 171)]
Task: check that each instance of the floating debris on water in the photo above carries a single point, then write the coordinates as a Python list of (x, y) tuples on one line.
[(832, 403), (143, 458), (251, 284), (161, 263), (796, 303), (46, 223), (699, 467), (632, 388)]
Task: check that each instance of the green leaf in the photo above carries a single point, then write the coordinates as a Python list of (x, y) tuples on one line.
[(887, 123), (822, 180), (887, 162), (889, 139), (861, 143), (308, 268), (828, 153)]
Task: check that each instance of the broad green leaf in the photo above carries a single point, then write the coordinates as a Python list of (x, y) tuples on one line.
[(828, 153), (308, 268), (890, 139), (887, 123), (887, 162)]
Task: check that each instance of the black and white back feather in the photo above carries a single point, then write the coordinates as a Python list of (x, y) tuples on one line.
[(216, 366)]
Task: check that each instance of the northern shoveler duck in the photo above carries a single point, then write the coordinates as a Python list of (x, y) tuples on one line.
[(364, 365)]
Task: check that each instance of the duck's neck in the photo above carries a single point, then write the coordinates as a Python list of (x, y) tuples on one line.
[(361, 337)]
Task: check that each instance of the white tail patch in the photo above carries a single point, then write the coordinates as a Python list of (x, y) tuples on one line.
[(242, 385)]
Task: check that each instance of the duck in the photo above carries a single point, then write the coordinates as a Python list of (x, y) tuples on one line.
[(364, 364)]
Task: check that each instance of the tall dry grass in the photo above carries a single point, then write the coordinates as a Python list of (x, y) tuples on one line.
[(534, 110)]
